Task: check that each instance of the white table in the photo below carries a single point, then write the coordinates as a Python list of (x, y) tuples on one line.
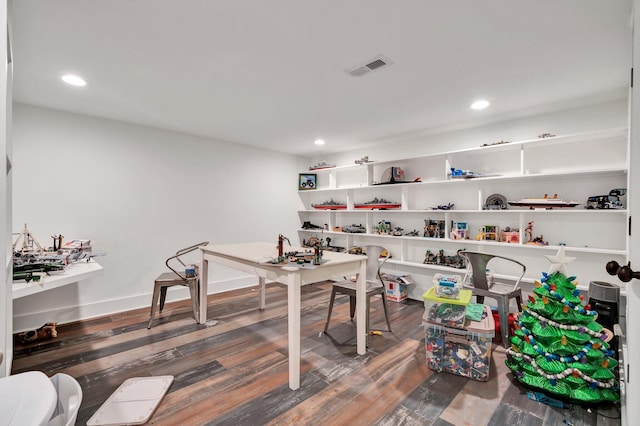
[(254, 258)]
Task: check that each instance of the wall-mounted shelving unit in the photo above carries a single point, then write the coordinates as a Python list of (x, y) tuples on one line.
[(574, 166)]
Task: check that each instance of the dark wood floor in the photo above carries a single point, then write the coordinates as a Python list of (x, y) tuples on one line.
[(233, 371)]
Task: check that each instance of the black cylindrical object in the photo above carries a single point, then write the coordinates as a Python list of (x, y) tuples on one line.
[(604, 298)]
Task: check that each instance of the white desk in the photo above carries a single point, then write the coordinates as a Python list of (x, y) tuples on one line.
[(72, 274), (253, 258)]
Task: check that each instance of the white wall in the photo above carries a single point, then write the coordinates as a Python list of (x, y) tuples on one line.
[(139, 194)]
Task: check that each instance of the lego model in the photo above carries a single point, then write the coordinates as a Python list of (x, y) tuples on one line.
[(330, 205), (509, 235), (383, 228), (433, 228), (377, 203), (439, 258), (459, 231), (321, 165), (489, 233), (545, 202), (354, 229), (495, 202), (537, 241), (463, 174), (448, 206), (611, 201)]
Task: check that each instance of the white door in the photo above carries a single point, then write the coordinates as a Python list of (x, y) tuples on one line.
[(6, 300)]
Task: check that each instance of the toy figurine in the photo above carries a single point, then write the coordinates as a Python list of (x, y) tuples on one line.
[(433, 228), (47, 331), (57, 241), (537, 241)]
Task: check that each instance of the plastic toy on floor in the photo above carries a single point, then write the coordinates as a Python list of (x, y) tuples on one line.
[(47, 331)]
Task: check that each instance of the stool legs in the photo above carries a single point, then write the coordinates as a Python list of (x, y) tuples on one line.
[(352, 309), (333, 299), (195, 301), (154, 303), (503, 312), (386, 312), (160, 295)]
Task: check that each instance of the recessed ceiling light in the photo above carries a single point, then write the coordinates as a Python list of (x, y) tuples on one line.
[(74, 80), (319, 142), (481, 104)]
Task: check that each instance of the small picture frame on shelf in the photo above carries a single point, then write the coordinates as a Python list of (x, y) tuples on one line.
[(306, 181)]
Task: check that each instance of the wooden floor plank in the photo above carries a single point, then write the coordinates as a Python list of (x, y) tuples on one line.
[(234, 370)]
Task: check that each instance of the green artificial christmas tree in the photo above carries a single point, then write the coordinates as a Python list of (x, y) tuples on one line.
[(558, 347)]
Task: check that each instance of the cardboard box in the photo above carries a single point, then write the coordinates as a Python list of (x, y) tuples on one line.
[(448, 312), (464, 352), (396, 286)]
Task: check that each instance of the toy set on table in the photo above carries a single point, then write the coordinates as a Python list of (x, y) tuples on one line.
[(453, 343)]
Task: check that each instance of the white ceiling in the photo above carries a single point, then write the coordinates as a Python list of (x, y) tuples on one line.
[(272, 74)]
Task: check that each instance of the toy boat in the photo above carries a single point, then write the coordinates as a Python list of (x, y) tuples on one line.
[(321, 165), (546, 202), (329, 205), (377, 203)]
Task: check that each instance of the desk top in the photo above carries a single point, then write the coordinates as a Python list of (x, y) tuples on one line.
[(262, 253), (72, 274)]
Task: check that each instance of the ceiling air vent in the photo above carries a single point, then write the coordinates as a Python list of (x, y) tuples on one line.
[(374, 64)]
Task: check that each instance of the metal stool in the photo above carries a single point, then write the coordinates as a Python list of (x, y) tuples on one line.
[(375, 285), (169, 279)]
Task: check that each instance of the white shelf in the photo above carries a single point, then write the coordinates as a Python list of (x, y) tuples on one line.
[(516, 211), (504, 178), (73, 273), (517, 246), (617, 132), (575, 166)]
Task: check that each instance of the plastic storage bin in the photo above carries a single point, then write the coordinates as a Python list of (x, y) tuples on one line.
[(464, 352), (447, 286), (448, 312)]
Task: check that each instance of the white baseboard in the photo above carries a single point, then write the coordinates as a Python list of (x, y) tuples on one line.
[(34, 320)]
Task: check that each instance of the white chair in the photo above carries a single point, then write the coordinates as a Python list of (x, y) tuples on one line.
[(69, 399), (375, 285), (476, 280)]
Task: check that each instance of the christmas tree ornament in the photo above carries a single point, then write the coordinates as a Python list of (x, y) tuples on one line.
[(558, 348)]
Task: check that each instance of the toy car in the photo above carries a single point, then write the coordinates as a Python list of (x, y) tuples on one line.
[(611, 201)]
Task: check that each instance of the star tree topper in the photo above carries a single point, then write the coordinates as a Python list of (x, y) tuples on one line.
[(559, 262)]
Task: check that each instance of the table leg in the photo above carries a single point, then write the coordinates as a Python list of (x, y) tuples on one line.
[(203, 284), (361, 309), (261, 290), (293, 291)]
